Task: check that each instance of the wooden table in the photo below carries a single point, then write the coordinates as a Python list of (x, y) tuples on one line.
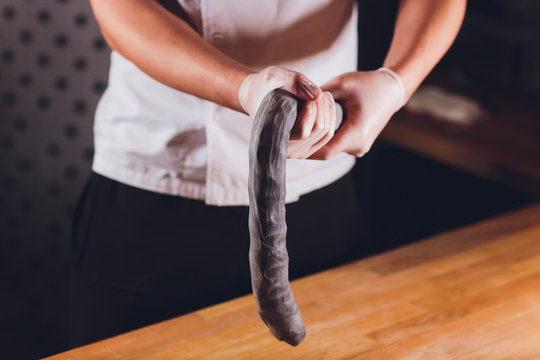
[(473, 293)]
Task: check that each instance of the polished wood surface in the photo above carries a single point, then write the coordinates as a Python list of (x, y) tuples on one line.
[(473, 293), (504, 145)]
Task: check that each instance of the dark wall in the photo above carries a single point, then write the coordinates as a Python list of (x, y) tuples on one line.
[(53, 66), (375, 29), (407, 197)]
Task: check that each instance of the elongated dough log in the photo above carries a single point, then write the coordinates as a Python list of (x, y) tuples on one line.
[(268, 258)]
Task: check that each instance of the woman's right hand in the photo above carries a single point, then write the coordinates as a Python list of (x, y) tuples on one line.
[(316, 119)]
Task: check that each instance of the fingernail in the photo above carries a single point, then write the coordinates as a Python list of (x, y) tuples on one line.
[(310, 89)]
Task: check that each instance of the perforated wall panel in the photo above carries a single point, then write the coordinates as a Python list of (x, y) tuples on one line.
[(53, 68)]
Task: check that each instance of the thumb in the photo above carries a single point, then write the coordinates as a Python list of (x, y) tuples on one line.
[(335, 86)]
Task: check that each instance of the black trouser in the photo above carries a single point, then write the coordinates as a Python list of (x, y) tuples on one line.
[(140, 257)]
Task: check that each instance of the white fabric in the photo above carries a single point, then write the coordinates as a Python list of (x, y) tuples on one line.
[(156, 138)]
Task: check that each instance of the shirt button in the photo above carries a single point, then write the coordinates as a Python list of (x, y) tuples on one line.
[(217, 36)]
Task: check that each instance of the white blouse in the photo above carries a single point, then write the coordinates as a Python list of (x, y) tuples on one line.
[(154, 137)]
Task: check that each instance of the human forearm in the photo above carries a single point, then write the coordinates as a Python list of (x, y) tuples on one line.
[(424, 31), (169, 50)]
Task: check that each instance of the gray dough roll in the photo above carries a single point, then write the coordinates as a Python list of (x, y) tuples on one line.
[(268, 257)]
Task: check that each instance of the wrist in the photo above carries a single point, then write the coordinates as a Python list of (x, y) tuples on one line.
[(398, 82), (243, 91), (221, 86), (411, 77)]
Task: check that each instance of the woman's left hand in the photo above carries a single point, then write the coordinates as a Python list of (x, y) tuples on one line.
[(369, 99)]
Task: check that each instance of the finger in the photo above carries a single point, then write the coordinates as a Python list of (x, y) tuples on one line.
[(321, 127), (321, 121), (298, 148), (338, 87), (307, 112), (329, 125), (333, 84)]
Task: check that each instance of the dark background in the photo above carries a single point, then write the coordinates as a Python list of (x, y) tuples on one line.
[(53, 68)]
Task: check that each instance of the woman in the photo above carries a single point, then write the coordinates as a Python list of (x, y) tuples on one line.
[(161, 227)]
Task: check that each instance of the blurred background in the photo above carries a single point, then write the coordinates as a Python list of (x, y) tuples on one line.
[(467, 146)]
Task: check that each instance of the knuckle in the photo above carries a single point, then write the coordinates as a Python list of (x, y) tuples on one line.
[(303, 133), (329, 99), (272, 72), (359, 154), (309, 109), (306, 116), (330, 133), (319, 126), (363, 150), (324, 141), (326, 154), (272, 69)]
